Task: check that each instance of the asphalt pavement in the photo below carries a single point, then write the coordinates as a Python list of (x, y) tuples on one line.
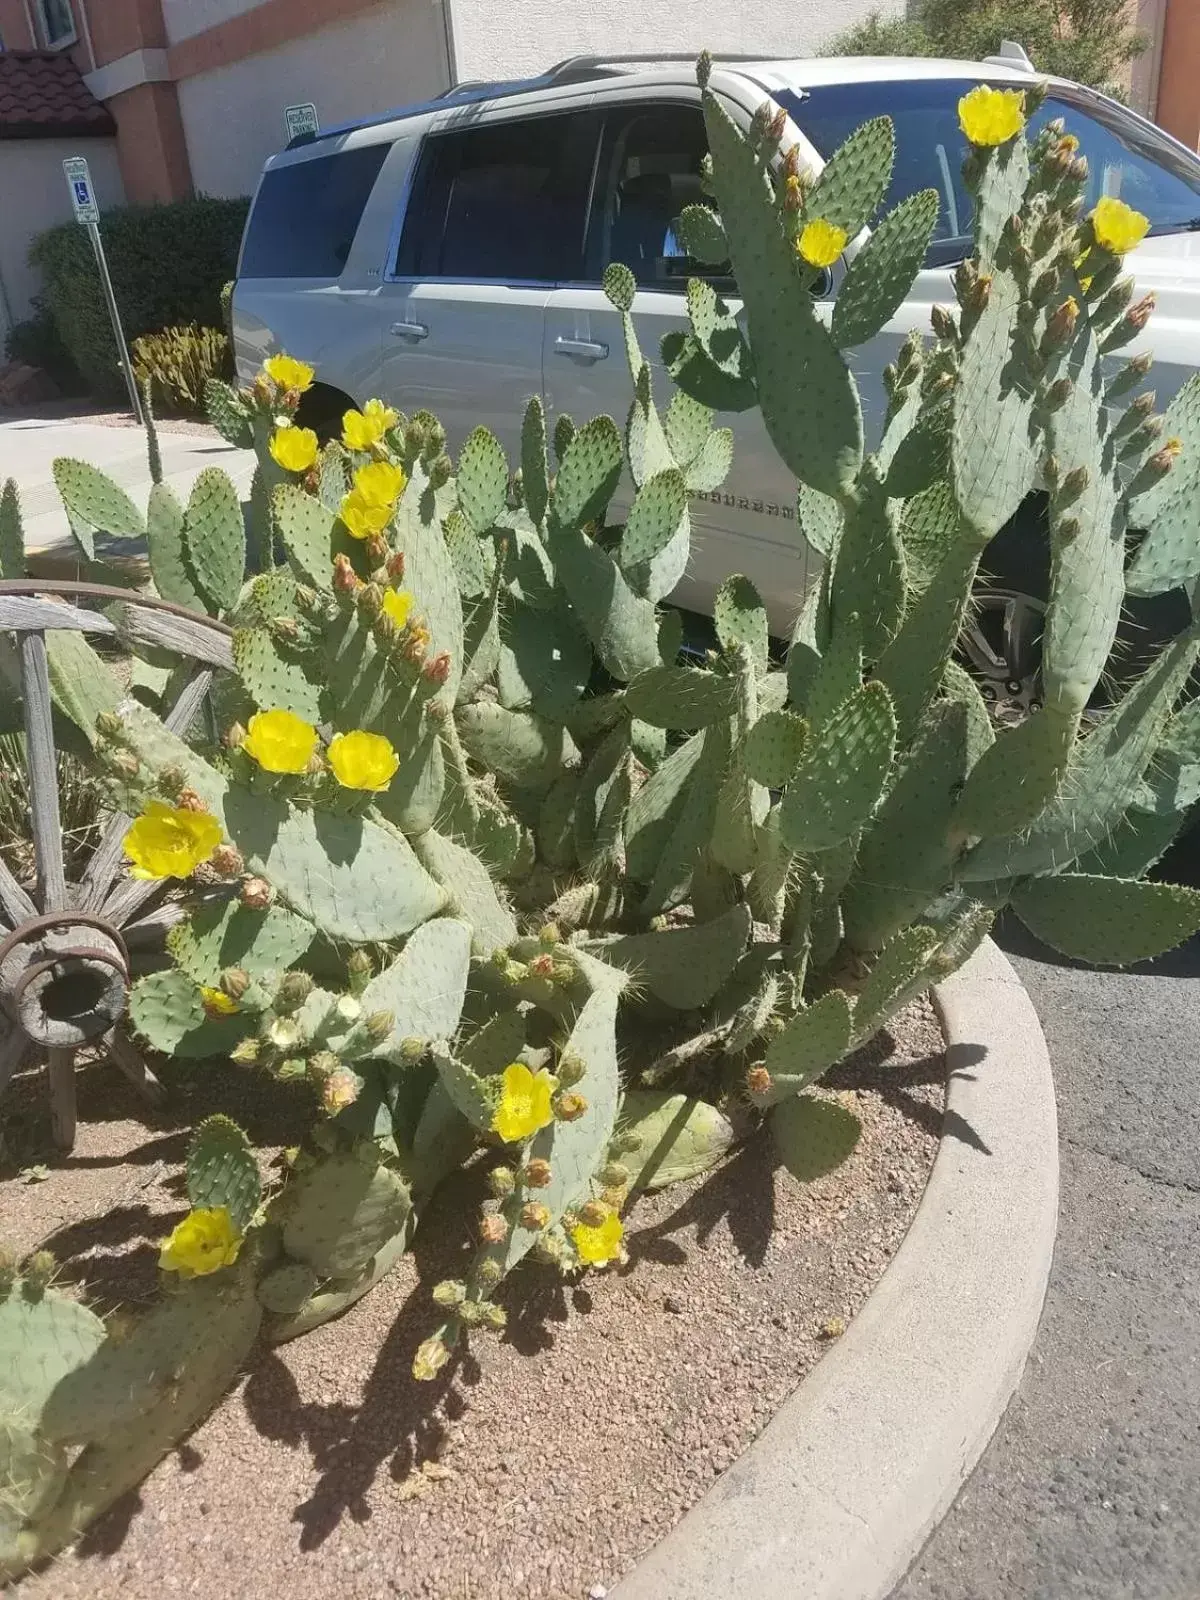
[(1090, 1489)]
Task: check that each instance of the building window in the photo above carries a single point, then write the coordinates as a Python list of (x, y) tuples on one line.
[(58, 23)]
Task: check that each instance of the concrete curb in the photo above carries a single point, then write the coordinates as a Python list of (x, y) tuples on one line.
[(840, 1491)]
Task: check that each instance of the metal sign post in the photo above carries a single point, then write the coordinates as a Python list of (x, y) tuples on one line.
[(83, 202), (301, 120)]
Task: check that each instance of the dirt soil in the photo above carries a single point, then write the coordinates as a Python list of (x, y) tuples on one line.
[(541, 1465)]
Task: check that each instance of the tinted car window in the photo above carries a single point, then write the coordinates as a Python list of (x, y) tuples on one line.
[(305, 216), (1124, 157), (506, 202), (649, 171)]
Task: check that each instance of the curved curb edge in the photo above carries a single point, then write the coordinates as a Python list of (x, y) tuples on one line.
[(842, 1488)]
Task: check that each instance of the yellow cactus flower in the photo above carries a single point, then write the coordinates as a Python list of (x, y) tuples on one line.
[(398, 604), (363, 517), (524, 1102), (294, 449), (380, 482), (362, 760), (991, 116), (362, 429), (600, 1244), (1118, 227), (292, 376), (821, 242), (205, 1241), (217, 1003), (170, 842), (280, 741)]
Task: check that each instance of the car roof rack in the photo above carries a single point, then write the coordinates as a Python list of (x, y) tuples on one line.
[(574, 69)]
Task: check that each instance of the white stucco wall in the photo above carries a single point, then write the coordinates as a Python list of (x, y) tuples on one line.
[(33, 196), (512, 38), (183, 18), (233, 116)]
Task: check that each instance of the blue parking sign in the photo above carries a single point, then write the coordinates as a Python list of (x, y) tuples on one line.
[(79, 185)]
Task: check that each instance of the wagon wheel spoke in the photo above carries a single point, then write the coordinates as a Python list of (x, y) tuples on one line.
[(60, 1073), (132, 1063), (13, 1046), (43, 772), (128, 897)]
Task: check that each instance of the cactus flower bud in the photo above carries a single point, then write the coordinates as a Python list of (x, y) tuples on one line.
[(493, 1316), (1059, 392), (1139, 315), (322, 1065), (1141, 406), (109, 725), (613, 1175), (234, 982), (470, 1313), (537, 1173), (493, 1228), (502, 1181), (125, 762), (1067, 529), (412, 1048), (256, 894), (189, 800), (548, 1249), (488, 1273), (377, 1025), (624, 1144), (235, 736), (440, 469), (569, 1107), (449, 1293), (1156, 467), (1073, 485), (340, 1090), (1060, 328), (432, 1355), (345, 579), (793, 192), (294, 989), (437, 670), (395, 566), (359, 964), (704, 65), (761, 119), (943, 323), (1077, 170), (542, 967), (535, 1216), (245, 1052), (758, 1080), (416, 437), (347, 1008), (171, 782), (593, 1213), (570, 1070), (777, 125), (377, 550), (285, 628), (227, 860)]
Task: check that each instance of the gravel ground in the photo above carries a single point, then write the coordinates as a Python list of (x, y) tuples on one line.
[(541, 1465), (84, 411)]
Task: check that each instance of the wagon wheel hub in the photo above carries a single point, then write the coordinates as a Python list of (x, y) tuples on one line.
[(64, 978)]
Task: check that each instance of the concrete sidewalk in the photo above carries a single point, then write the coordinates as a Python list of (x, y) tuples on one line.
[(1090, 1489), (28, 447)]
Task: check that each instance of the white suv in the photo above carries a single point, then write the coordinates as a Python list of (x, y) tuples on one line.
[(450, 256)]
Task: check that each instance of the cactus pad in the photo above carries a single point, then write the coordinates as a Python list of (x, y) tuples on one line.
[(340, 1211), (1107, 922), (215, 538), (813, 1136), (678, 1137), (843, 769), (222, 1170)]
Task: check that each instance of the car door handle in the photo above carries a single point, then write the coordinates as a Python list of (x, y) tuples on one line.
[(581, 349), (409, 330)]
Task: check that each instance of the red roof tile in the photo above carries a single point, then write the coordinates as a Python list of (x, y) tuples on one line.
[(42, 95)]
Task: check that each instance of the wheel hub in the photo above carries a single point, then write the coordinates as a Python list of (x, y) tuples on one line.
[(64, 978)]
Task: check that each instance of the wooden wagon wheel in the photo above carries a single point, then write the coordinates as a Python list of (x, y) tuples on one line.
[(64, 961)]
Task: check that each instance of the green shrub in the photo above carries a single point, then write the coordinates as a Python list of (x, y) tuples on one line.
[(168, 263), (177, 364), (37, 343), (1088, 40)]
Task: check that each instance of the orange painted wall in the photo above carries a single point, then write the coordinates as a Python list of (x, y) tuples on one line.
[(1179, 82), (150, 143)]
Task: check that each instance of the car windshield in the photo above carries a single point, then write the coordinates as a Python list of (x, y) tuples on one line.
[(1126, 158)]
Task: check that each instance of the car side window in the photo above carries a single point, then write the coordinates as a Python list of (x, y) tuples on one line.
[(306, 214), (649, 171), (502, 202)]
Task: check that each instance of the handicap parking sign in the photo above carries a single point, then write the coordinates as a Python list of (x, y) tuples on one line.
[(79, 183)]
